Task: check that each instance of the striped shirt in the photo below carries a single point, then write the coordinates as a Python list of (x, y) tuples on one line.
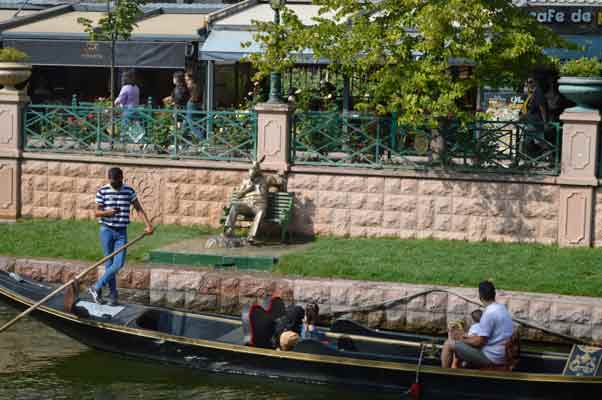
[(107, 197)]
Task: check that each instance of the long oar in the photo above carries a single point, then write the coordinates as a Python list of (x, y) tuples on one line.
[(406, 299), (77, 277)]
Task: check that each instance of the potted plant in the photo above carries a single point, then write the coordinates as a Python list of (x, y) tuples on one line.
[(13, 68), (581, 82)]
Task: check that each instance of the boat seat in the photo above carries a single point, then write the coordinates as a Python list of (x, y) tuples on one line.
[(235, 336), (512, 354), (258, 327), (274, 306), (258, 322), (314, 346), (513, 350), (71, 296)]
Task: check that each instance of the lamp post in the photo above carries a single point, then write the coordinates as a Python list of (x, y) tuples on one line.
[(276, 77)]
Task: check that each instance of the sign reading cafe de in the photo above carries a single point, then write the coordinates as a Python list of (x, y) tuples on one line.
[(568, 15)]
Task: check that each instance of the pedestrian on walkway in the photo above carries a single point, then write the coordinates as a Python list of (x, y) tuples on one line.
[(193, 105), (113, 202)]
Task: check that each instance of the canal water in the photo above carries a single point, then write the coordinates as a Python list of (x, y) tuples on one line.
[(37, 362)]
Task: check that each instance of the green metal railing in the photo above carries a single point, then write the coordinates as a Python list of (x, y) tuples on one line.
[(359, 140), (141, 132)]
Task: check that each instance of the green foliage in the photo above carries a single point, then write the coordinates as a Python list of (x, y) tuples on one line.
[(583, 67), (160, 129), (10, 54), (118, 24), (405, 50)]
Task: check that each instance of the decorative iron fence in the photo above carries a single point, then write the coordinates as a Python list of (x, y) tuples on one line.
[(356, 140), (141, 132)]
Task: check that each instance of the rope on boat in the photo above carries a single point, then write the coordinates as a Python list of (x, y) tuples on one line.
[(404, 300)]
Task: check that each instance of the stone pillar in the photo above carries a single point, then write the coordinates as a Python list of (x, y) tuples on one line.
[(12, 105), (273, 135), (578, 177)]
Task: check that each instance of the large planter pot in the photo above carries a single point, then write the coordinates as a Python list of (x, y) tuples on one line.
[(12, 74), (586, 93)]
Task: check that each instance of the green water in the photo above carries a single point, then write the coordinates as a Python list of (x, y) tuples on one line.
[(37, 362)]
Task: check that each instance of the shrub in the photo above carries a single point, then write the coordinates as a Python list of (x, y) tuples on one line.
[(583, 67), (10, 54)]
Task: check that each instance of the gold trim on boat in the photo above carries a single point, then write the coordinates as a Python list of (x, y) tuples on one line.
[(425, 369)]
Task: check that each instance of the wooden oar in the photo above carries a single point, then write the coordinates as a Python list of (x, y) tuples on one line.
[(370, 339), (63, 286)]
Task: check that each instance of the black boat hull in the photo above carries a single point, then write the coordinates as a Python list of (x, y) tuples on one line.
[(303, 367)]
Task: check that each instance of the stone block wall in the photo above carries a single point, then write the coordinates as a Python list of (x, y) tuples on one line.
[(411, 207), (66, 189), (326, 202), (227, 292)]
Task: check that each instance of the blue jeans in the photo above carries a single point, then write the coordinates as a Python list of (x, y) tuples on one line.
[(191, 107), (112, 239)]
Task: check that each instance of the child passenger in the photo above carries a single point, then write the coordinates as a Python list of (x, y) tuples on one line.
[(476, 318)]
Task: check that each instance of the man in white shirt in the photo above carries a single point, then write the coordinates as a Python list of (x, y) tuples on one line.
[(488, 347)]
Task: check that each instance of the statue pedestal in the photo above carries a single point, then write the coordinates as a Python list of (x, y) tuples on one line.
[(273, 138), (226, 242)]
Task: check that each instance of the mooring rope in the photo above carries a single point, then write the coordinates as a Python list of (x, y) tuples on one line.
[(404, 300)]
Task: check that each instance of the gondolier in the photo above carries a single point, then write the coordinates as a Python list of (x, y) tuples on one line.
[(113, 202)]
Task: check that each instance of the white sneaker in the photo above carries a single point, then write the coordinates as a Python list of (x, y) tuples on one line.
[(96, 296)]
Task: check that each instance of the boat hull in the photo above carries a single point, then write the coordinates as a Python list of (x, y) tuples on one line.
[(305, 367)]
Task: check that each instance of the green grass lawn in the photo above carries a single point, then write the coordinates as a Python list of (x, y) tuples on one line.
[(533, 268), (78, 240), (512, 266)]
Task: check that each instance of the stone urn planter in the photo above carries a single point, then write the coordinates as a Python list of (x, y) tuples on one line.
[(13, 73), (585, 92)]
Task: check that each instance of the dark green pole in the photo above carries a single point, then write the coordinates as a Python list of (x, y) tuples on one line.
[(276, 77)]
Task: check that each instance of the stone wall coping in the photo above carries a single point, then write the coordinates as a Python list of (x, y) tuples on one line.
[(274, 107), (439, 175), (136, 161), (581, 117), (11, 154), (470, 292), (576, 181)]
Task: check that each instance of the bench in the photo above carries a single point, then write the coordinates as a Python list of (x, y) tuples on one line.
[(278, 211)]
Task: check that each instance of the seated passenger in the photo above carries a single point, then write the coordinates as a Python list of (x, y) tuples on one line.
[(488, 347), (288, 340), (291, 321), (476, 318), (308, 330), (458, 333)]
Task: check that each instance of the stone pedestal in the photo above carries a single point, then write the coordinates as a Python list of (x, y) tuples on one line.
[(12, 104), (578, 177), (576, 210), (273, 135)]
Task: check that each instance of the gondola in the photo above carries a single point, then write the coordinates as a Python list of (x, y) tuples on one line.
[(353, 355)]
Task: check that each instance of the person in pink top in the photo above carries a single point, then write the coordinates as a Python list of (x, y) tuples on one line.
[(129, 96)]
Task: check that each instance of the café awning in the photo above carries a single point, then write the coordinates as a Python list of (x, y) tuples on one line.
[(264, 13), (228, 31), (162, 40), (228, 46)]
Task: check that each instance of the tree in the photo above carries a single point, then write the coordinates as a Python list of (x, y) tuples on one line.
[(404, 49), (118, 24)]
